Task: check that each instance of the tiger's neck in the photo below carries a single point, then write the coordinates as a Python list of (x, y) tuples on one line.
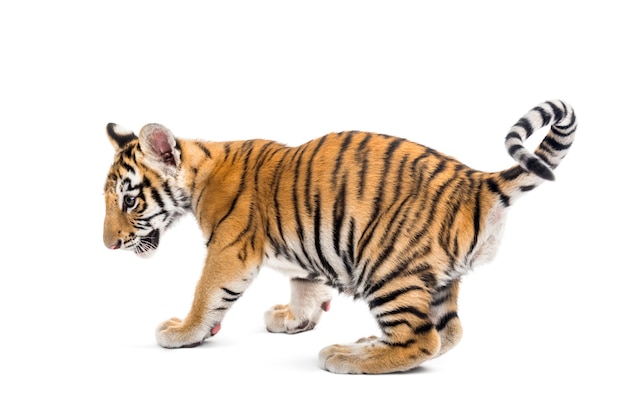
[(216, 174)]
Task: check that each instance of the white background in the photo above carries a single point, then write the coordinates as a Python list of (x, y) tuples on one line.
[(543, 323)]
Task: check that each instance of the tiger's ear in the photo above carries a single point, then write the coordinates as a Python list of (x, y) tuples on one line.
[(119, 136), (159, 145)]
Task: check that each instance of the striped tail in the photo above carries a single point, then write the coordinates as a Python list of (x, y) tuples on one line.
[(554, 146)]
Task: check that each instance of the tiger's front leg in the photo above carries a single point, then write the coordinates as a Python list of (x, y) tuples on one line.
[(226, 274), (308, 300)]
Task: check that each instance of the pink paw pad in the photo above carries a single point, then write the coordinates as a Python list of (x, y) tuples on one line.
[(216, 328), (326, 305)]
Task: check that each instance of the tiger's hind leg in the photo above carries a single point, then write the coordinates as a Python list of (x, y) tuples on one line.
[(308, 300), (408, 335), (443, 313)]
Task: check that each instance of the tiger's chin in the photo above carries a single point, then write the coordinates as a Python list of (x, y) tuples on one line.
[(148, 245)]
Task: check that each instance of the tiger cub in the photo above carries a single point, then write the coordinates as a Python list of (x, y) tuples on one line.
[(375, 217)]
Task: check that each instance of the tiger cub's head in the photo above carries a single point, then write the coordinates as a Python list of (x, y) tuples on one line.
[(141, 195)]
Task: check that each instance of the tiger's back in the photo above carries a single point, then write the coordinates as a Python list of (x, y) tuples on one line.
[(379, 218), (348, 206)]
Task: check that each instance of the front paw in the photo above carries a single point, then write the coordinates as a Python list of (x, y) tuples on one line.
[(174, 333)]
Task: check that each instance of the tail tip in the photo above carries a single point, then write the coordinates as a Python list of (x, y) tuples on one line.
[(541, 169)]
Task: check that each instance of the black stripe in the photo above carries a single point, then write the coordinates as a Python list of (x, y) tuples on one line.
[(127, 185), (194, 173), (242, 183), (233, 204), (121, 140), (569, 125), (263, 154), (387, 244), (278, 172), (540, 169), (403, 344), (556, 131), (401, 174), (512, 173), (493, 187), (513, 135), (231, 292), (146, 184), (434, 206), (394, 323), (379, 301), (417, 160), (245, 151), (550, 159), (361, 154), (339, 209), (348, 256), (477, 213), (553, 144), (200, 195), (251, 225), (249, 228), (425, 328), (428, 278), (210, 238), (129, 151), (443, 321), (404, 310), (147, 220), (440, 299), (309, 174), (513, 149), (545, 116), (204, 149), (525, 124), (169, 193), (317, 225), (295, 195), (440, 167), (398, 272), (558, 112), (446, 235), (401, 267), (370, 227), (346, 141), (226, 150), (127, 167)]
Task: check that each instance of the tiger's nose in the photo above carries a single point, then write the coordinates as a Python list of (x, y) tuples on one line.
[(112, 241), (116, 246)]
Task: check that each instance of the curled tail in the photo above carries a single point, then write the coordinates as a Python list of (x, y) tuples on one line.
[(554, 146)]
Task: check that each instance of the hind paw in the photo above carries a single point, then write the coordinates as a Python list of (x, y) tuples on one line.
[(372, 355), (347, 359), (281, 319), (308, 300)]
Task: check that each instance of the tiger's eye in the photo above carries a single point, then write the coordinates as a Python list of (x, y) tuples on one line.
[(129, 201)]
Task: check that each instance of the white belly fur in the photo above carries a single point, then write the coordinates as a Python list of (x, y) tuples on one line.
[(489, 240)]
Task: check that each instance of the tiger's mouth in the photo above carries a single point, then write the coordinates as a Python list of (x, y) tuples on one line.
[(148, 244)]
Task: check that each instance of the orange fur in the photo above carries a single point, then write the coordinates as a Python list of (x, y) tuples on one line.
[(380, 218)]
